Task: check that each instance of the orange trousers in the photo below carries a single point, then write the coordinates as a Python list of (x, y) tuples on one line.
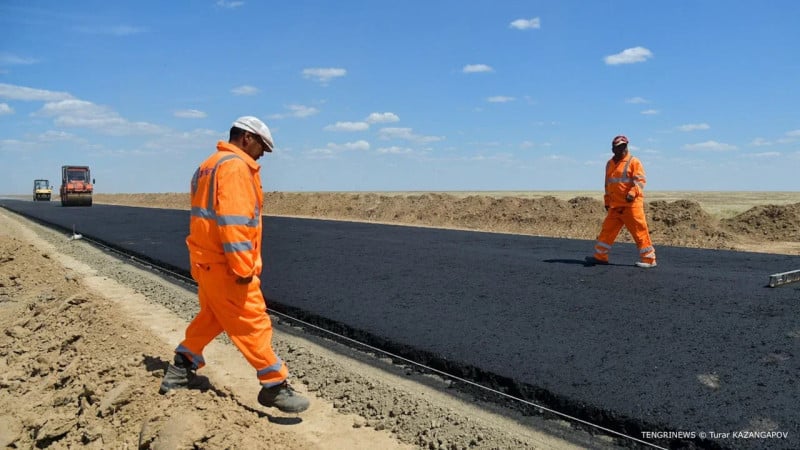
[(240, 311), (632, 217)]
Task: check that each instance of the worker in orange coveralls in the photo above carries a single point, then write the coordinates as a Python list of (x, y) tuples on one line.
[(225, 255), (624, 202)]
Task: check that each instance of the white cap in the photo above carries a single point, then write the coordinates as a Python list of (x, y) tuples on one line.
[(255, 126)]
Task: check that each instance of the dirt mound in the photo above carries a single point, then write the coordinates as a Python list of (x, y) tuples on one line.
[(684, 223), (769, 222)]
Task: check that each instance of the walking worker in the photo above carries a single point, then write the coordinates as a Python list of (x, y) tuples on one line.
[(225, 258), (624, 202)]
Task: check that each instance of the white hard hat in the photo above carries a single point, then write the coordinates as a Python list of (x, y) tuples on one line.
[(255, 126)]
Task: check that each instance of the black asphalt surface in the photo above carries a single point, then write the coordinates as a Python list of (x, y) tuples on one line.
[(699, 344)]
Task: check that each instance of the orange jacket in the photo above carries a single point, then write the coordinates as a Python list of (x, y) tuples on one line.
[(225, 223), (623, 178)]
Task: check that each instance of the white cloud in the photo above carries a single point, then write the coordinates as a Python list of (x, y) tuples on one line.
[(407, 134), (526, 24), (5, 109), (629, 56), (500, 99), (116, 30), (57, 136), (332, 149), (229, 4), (10, 59), (83, 114), (762, 155), (793, 133), (323, 74), (650, 112), (13, 92), (711, 146), (386, 117), (298, 111), (190, 114), (693, 127), (245, 90), (636, 100), (395, 150), (760, 142), (347, 126), (477, 68)]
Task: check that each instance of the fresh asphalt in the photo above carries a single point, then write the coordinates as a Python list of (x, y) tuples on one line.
[(699, 344)]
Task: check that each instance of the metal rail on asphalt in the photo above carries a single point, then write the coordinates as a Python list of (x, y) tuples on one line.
[(779, 279)]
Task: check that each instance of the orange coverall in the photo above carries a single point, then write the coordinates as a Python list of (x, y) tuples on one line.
[(225, 243), (625, 177)]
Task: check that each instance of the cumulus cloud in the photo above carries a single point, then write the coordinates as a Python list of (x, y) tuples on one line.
[(298, 111), (189, 114), (347, 126), (386, 117), (760, 142), (395, 150), (14, 92), (793, 133), (5, 109), (407, 134), (477, 68), (650, 112), (500, 99), (526, 24), (323, 74), (245, 90), (83, 114), (711, 146), (693, 127), (629, 56), (762, 155), (636, 100)]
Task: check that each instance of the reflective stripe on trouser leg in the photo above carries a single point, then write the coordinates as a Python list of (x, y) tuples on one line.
[(608, 234), (241, 311), (637, 224)]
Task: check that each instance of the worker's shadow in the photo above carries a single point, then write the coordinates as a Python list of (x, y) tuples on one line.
[(203, 384), (580, 262)]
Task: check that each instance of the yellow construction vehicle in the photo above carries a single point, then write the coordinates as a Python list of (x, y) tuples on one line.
[(42, 190)]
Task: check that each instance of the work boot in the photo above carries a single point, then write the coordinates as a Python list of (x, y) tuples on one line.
[(283, 397), (645, 265), (178, 375), (592, 260)]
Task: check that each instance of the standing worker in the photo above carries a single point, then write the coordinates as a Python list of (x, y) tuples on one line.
[(624, 202), (225, 258)]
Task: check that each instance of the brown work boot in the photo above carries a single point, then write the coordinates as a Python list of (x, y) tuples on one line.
[(283, 397), (177, 375)]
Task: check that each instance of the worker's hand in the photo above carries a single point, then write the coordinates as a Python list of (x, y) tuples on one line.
[(244, 280), (629, 198)]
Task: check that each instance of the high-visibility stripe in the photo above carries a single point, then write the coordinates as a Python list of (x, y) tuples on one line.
[(273, 368), (232, 247), (209, 213), (197, 360)]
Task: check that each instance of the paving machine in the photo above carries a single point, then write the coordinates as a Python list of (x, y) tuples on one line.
[(42, 190), (76, 186)]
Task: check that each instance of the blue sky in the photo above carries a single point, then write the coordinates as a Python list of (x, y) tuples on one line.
[(404, 95)]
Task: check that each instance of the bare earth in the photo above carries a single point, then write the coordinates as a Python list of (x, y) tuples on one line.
[(86, 336)]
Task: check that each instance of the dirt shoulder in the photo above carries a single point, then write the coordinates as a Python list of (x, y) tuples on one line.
[(86, 337)]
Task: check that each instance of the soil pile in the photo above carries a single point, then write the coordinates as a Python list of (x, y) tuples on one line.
[(768, 222)]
